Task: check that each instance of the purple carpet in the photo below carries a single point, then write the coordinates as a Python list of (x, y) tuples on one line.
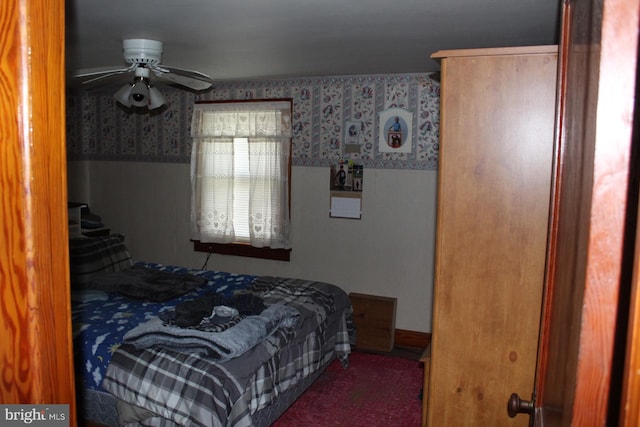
[(375, 390)]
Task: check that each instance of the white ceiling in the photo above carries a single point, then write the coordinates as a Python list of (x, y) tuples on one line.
[(259, 39)]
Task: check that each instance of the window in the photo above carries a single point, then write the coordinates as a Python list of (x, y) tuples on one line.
[(240, 170)]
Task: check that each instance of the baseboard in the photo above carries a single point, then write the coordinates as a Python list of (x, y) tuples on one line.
[(404, 338)]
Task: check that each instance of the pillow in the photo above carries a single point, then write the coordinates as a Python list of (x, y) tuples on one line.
[(146, 283), (95, 255)]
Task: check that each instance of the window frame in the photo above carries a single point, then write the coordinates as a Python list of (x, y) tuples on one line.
[(244, 249)]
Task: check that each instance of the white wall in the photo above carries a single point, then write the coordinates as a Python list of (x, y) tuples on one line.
[(389, 252)]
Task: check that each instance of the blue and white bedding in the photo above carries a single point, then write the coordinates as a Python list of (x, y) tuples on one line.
[(100, 319)]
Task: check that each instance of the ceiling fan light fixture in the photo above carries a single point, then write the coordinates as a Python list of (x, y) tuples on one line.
[(155, 98), (123, 94), (139, 93)]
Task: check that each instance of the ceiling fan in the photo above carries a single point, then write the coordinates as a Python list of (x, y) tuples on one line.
[(143, 57)]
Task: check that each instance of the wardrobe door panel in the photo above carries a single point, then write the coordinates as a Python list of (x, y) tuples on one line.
[(497, 121)]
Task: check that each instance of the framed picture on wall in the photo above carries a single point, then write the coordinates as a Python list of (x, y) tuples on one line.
[(352, 131), (396, 126)]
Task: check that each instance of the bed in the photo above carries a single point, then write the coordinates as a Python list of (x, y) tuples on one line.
[(167, 345)]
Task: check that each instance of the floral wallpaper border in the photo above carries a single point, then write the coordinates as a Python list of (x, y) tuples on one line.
[(99, 129)]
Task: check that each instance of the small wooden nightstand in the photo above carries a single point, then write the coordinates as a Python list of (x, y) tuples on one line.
[(375, 319), (426, 359)]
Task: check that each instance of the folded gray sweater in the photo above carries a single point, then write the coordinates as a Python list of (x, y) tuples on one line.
[(222, 346)]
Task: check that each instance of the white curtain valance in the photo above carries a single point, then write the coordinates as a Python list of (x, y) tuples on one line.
[(241, 119)]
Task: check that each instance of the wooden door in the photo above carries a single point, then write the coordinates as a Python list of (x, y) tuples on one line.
[(36, 360), (583, 339), (497, 122)]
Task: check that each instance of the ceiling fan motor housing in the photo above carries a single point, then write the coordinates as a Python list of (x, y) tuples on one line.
[(142, 51)]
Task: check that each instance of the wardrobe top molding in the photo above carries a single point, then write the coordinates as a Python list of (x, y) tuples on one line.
[(518, 50)]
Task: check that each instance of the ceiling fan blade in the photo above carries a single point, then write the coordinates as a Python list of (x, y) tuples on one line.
[(188, 82), (191, 79), (90, 72), (93, 75)]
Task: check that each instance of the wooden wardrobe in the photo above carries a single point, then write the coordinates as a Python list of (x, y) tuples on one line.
[(496, 153)]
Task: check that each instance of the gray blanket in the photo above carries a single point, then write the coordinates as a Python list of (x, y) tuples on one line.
[(221, 346)]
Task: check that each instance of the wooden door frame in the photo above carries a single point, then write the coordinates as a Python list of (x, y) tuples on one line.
[(600, 136), (630, 391), (36, 357)]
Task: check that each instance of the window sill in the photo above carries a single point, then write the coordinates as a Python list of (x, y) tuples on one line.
[(239, 249)]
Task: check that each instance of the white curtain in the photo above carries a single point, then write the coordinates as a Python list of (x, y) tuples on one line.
[(215, 179)]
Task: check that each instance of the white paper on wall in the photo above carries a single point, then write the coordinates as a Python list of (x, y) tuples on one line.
[(345, 207)]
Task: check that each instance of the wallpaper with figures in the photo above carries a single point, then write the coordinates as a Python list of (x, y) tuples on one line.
[(100, 129)]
